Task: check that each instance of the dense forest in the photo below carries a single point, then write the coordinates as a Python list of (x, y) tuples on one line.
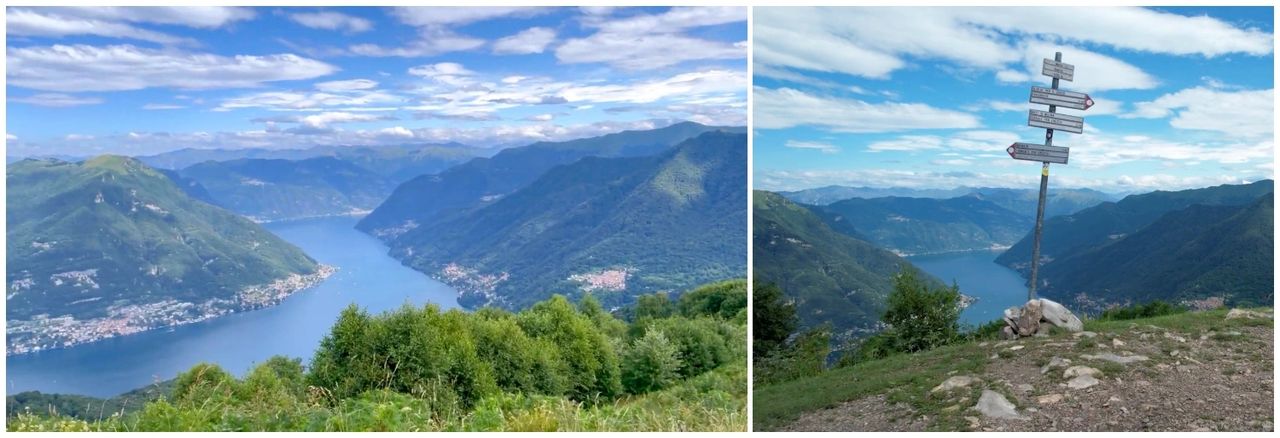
[(665, 364)]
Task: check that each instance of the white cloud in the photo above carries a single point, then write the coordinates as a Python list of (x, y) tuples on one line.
[(57, 100), (644, 41), (330, 20), (323, 120), (784, 108), (347, 85), (302, 100), (10, 137), (826, 148), (126, 67), (431, 41), (686, 85), (456, 15), (531, 40), (1094, 72), (205, 17), (541, 118), (1248, 113), (875, 42), (161, 106), (28, 22)]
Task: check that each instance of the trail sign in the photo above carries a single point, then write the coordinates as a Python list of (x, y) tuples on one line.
[(1062, 122), (1066, 99), (1058, 69), (1038, 152)]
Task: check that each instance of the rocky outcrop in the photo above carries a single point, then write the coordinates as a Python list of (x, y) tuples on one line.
[(1032, 318)]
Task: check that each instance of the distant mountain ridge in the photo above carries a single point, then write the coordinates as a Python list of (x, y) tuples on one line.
[(276, 189), (926, 225), (110, 246), (617, 227), (1019, 201), (396, 162), (481, 181)]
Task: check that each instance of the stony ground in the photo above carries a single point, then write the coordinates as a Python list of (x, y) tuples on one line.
[(1197, 376)]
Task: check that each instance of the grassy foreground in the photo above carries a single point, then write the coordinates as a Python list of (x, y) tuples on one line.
[(908, 378)]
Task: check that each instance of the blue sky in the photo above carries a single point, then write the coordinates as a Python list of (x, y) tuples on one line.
[(931, 97), (85, 81)]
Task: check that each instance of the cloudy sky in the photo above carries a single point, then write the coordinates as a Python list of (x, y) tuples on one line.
[(932, 97), (85, 81)]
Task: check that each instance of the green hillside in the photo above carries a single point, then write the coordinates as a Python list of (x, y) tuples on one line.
[(1095, 226), (832, 277), (480, 181), (110, 246), (616, 226), (925, 225), (274, 189), (397, 163), (1197, 252)]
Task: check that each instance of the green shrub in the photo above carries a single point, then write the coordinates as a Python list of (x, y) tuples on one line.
[(803, 356), (921, 317), (593, 370), (701, 344), (774, 319), (723, 300), (651, 363)]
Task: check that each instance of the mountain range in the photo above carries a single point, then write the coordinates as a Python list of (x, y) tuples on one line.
[(397, 163), (617, 227), (926, 225), (483, 180), (1179, 245), (110, 246), (1020, 201), (274, 189)]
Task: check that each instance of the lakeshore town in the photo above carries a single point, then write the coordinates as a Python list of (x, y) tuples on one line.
[(44, 332)]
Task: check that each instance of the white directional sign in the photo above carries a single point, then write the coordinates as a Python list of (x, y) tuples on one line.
[(1038, 152), (1062, 122), (1066, 99), (1057, 69)]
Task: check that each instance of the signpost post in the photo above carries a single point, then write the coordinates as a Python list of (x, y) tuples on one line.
[(1047, 152)]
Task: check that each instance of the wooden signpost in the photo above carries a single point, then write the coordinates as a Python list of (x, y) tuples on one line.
[(1048, 153)]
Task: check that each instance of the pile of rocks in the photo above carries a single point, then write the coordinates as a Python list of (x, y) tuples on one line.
[(1034, 317)]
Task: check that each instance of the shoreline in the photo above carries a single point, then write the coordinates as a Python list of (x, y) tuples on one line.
[(992, 248), (352, 213), (250, 298)]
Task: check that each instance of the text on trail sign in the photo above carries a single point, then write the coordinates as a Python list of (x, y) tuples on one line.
[(1065, 99), (1038, 152), (1058, 69), (1062, 122)]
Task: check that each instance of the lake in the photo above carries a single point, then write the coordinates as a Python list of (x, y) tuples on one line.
[(996, 287), (366, 276)]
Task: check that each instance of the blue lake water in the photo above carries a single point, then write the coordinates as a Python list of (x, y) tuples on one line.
[(977, 274), (366, 276)]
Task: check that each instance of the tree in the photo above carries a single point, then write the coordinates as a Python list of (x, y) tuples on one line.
[(651, 363), (724, 300), (920, 316), (653, 306), (774, 319)]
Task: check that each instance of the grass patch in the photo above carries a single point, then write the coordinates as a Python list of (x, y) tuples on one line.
[(911, 375)]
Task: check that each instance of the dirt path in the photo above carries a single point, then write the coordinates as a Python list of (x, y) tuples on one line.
[(1192, 379)]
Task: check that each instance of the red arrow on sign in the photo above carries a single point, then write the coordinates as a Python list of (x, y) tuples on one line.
[(1088, 101), (1012, 148)]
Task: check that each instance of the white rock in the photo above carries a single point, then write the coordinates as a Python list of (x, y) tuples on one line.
[(994, 405), (1056, 362), (1049, 399), (1080, 370), (1112, 357), (956, 382), (1082, 382), (1058, 315)]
